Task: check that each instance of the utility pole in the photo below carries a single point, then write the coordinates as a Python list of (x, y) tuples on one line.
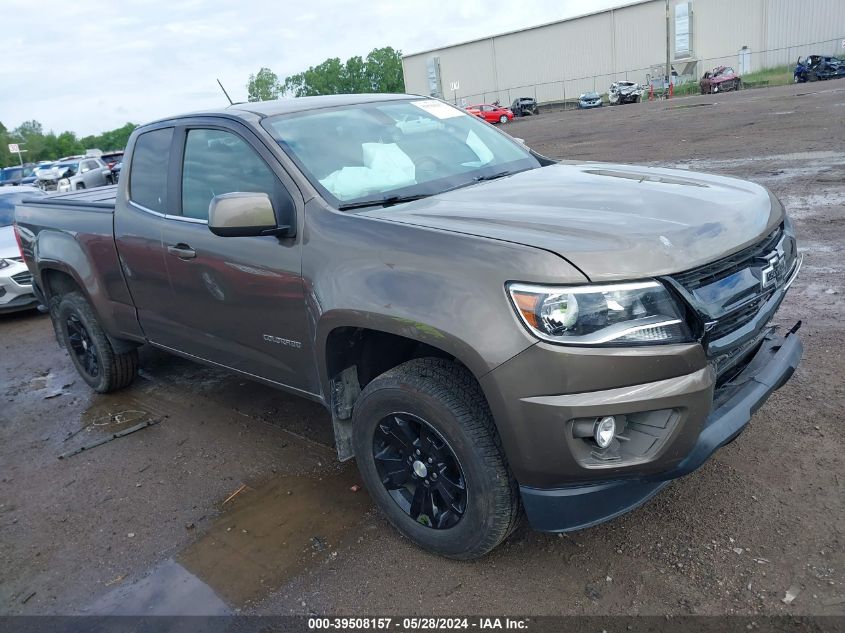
[(668, 60)]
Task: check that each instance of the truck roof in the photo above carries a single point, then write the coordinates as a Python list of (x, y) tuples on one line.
[(286, 106)]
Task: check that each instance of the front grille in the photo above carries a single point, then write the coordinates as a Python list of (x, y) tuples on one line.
[(734, 320), (23, 279), (727, 266), (729, 295)]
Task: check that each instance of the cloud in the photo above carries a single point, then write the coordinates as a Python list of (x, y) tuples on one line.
[(89, 68)]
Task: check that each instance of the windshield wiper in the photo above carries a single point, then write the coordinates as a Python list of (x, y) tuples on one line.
[(501, 174), (384, 202)]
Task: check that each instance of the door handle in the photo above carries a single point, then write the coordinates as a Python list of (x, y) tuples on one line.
[(182, 251)]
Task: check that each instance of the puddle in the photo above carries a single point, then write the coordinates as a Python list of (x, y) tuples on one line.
[(263, 537), (270, 534), (108, 415)]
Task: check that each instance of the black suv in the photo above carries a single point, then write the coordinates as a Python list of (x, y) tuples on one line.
[(523, 106)]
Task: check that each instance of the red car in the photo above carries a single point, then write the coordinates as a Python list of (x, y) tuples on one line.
[(719, 80), (491, 113)]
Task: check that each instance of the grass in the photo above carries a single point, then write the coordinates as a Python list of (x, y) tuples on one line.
[(776, 76)]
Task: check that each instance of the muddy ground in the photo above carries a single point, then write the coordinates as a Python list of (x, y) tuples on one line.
[(147, 523)]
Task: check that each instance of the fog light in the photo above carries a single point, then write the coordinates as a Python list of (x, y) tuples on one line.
[(604, 431)]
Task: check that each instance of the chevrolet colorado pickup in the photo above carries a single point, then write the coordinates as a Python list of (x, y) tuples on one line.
[(493, 332)]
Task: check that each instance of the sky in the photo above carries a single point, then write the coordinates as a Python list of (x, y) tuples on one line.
[(89, 66)]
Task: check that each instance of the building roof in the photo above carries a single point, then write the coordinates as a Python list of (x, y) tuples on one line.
[(623, 5)]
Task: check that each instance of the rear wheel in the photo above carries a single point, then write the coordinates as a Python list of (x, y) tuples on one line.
[(89, 348), (430, 456)]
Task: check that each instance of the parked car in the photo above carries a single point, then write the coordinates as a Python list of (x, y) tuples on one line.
[(73, 174), (115, 171), (624, 92), (590, 100), (489, 330), (17, 175), (720, 79), (110, 159), (525, 106), (15, 279), (816, 67), (491, 113)]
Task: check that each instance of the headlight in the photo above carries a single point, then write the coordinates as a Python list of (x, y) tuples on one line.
[(64, 181), (638, 313), (4, 263)]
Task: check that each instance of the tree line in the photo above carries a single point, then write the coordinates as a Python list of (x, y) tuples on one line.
[(50, 146), (379, 71)]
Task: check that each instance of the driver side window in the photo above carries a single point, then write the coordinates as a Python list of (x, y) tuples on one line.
[(218, 162)]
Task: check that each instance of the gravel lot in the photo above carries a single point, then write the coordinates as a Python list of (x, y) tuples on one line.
[(142, 524)]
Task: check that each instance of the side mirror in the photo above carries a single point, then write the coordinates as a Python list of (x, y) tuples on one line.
[(242, 214)]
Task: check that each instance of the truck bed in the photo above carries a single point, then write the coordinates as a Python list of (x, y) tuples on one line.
[(73, 234), (99, 198)]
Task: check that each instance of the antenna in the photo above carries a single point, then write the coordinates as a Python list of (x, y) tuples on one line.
[(225, 93)]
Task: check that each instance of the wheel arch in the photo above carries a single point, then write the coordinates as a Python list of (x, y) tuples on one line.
[(58, 279), (354, 348)]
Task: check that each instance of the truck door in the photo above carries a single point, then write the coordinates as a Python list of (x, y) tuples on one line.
[(235, 301), (138, 222)]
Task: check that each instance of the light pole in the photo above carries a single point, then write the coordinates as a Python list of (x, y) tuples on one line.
[(668, 60)]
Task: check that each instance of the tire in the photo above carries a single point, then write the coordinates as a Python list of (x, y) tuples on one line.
[(503, 119), (738, 85), (89, 348), (80, 186), (812, 76), (445, 398)]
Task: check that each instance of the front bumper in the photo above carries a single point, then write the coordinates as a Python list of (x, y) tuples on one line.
[(734, 402), (16, 289)]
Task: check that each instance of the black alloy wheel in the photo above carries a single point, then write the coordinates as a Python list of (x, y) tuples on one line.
[(82, 346), (420, 471)]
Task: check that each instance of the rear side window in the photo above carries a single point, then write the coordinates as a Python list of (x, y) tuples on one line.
[(148, 175), (218, 162)]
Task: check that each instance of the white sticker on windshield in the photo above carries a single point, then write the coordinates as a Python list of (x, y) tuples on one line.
[(438, 108)]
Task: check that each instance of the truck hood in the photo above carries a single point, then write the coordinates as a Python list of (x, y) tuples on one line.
[(611, 221)]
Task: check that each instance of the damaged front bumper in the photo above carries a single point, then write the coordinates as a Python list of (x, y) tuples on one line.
[(734, 402)]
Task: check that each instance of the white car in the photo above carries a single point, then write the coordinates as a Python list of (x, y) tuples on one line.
[(624, 92), (15, 279)]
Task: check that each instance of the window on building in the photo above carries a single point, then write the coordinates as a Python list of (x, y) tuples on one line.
[(683, 30)]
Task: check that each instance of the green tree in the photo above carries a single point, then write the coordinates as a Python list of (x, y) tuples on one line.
[(381, 71), (5, 139), (384, 70), (263, 86)]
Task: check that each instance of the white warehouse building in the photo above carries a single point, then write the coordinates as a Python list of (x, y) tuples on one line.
[(558, 61)]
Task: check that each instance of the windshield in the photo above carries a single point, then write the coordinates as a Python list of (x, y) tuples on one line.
[(10, 199), (590, 95), (395, 149), (12, 173)]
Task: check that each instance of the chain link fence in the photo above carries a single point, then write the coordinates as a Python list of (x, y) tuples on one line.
[(774, 67)]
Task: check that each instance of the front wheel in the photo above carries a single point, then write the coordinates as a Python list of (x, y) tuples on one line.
[(503, 119), (89, 348), (430, 456)]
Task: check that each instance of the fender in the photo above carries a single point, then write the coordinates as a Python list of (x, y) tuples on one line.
[(101, 284), (437, 287)]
